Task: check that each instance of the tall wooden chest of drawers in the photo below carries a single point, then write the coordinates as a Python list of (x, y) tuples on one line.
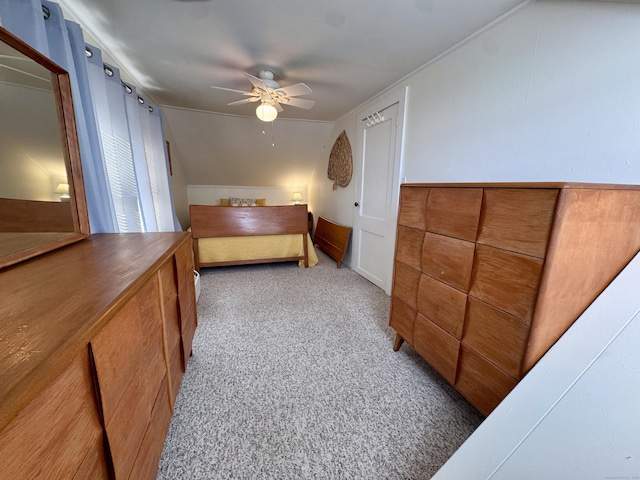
[(488, 276)]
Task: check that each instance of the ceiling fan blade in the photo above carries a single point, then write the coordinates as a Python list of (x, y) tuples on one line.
[(256, 82), (294, 90), (278, 107), (300, 103), (244, 100), (232, 90)]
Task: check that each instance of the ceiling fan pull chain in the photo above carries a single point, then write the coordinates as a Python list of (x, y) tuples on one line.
[(273, 141)]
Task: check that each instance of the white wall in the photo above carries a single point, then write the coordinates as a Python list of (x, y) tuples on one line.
[(335, 205), (229, 150), (549, 94)]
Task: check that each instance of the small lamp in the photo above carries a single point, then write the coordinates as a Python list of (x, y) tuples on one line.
[(296, 198), (63, 190), (266, 112)]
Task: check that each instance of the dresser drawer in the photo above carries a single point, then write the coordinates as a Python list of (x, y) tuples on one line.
[(130, 364), (443, 305), (506, 280), (405, 283), (146, 463), (448, 259), (496, 335), (454, 212), (517, 219), (413, 204), (176, 370), (409, 246), (168, 287), (481, 382), (127, 429), (402, 319), (94, 466), (437, 347), (117, 352), (55, 432)]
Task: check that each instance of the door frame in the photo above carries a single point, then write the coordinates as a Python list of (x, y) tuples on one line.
[(399, 96)]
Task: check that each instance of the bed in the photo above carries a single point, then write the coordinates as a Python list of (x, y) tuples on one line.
[(227, 235)]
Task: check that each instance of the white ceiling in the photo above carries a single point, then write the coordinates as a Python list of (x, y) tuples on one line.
[(346, 51)]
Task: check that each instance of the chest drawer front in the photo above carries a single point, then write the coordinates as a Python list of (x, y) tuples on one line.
[(481, 382), (443, 305), (405, 284), (409, 246), (437, 347), (448, 259), (506, 280), (516, 219), (413, 204), (402, 319), (52, 436), (496, 335), (454, 212)]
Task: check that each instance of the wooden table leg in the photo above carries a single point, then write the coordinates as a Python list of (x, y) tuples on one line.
[(398, 342)]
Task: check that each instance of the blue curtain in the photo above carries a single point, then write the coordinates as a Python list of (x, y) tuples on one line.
[(120, 134)]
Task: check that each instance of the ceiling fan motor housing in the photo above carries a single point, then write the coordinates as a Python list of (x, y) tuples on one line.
[(268, 78)]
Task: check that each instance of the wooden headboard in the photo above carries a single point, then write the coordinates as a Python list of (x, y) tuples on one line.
[(215, 221), (332, 238)]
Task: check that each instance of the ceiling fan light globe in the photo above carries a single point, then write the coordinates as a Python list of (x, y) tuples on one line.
[(266, 112)]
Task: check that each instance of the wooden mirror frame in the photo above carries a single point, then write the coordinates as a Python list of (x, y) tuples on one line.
[(71, 151)]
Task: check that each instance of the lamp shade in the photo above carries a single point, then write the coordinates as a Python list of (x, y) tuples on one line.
[(62, 188), (296, 197), (266, 112)]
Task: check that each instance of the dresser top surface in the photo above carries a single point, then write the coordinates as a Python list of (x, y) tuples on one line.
[(54, 304)]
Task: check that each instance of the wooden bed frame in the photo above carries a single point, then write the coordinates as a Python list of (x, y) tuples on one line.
[(332, 238), (215, 221)]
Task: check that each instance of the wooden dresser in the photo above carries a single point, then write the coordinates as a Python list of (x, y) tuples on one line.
[(488, 276), (94, 339)]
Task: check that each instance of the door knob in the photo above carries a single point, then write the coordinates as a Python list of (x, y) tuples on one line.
[(356, 204)]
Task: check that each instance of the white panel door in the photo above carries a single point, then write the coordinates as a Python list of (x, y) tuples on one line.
[(377, 175)]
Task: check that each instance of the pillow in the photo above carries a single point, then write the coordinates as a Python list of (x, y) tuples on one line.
[(238, 201)]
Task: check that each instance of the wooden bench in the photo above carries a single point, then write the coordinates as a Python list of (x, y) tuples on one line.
[(332, 238)]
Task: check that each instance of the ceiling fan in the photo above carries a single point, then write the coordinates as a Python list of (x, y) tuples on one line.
[(271, 95)]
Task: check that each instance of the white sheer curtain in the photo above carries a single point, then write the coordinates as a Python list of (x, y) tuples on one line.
[(120, 133)]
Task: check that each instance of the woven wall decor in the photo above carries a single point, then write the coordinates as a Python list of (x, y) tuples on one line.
[(340, 162)]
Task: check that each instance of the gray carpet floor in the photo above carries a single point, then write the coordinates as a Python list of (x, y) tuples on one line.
[(293, 376)]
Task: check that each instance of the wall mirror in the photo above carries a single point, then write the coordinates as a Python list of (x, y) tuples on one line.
[(42, 201)]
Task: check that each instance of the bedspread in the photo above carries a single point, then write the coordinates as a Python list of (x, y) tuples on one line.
[(254, 247)]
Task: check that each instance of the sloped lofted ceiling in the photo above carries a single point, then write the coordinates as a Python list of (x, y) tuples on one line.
[(345, 51)]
